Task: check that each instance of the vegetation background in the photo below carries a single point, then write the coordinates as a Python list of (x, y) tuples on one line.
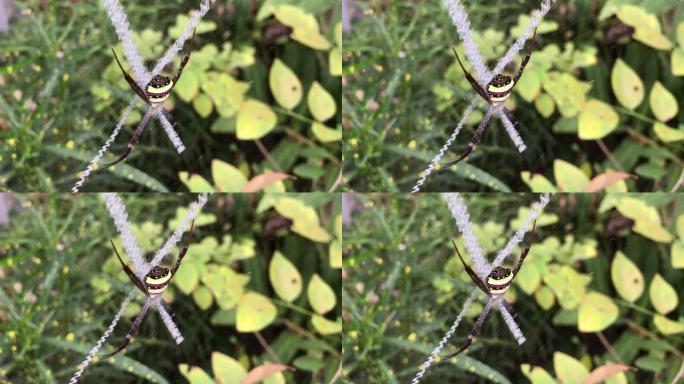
[(601, 285), (601, 95), (61, 284), (259, 96)]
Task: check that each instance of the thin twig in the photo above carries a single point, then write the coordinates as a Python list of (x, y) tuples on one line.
[(609, 348), (679, 374), (267, 155), (338, 373), (609, 155), (338, 181), (267, 347), (678, 183)]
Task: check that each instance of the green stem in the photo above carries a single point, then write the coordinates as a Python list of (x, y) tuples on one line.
[(293, 114), (635, 114), (293, 307), (635, 307)]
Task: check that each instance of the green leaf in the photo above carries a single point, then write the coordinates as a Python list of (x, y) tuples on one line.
[(182, 20), (226, 285), (304, 25), (627, 85), (545, 297), (537, 183), (195, 183), (545, 105), (567, 92), (254, 312), (203, 105), (188, 86), (568, 369), (537, 375), (203, 297), (679, 226), (285, 278), (677, 254), (680, 34), (667, 326), (646, 218), (304, 217), (254, 120), (596, 312), (227, 94), (321, 103), (186, 278), (321, 297), (325, 326), (596, 120), (195, 375), (677, 62), (637, 17), (663, 103), (529, 278), (226, 177), (226, 369), (285, 85), (325, 134), (569, 177), (667, 134), (529, 85), (335, 62), (627, 278), (663, 296), (653, 38), (335, 254)]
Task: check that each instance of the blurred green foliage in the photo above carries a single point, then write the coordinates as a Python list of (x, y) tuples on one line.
[(600, 93), (63, 93), (253, 291), (600, 287)]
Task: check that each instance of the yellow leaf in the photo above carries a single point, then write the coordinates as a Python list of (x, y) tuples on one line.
[(568, 177), (304, 25), (667, 134), (186, 278), (627, 85), (680, 34), (321, 103), (285, 85), (335, 254), (537, 182), (596, 312), (545, 297), (325, 134), (653, 38), (195, 183), (254, 312), (325, 326), (596, 120), (663, 103), (203, 105), (335, 62), (568, 369), (529, 85), (226, 369), (285, 278), (677, 62), (529, 278), (545, 105), (663, 296), (537, 375), (226, 177), (321, 297), (254, 120), (304, 217), (627, 278), (667, 326), (195, 375)]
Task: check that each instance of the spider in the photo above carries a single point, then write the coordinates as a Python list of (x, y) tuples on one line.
[(155, 283), (156, 92), (498, 90), (496, 285)]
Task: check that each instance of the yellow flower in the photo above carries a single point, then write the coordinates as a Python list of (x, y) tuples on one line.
[(412, 336), (70, 336), (70, 144), (412, 144)]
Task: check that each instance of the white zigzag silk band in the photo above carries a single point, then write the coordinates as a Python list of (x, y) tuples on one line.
[(123, 30), (460, 20), (118, 213), (460, 213)]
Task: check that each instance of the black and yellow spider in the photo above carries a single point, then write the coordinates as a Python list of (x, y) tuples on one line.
[(498, 90), (155, 93), (155, 283), (497, 284)]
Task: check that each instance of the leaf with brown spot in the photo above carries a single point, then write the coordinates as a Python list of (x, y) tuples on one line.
[(264, 180), (605, 371), (264, 371), (604, 180)]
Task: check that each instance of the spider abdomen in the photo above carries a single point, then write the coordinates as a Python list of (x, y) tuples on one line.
[(500, 88), (157, 280), (499, 280), (159, 88)]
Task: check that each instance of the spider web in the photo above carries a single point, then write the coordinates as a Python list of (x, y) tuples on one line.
[(118, 212), (460, 19), (130, 50), (460, 212)]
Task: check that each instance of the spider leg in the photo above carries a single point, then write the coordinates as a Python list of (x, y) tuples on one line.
[(525, 59), (135, 139), (475, 140), (480, 284), (130, 80), (525, 251), (183, 251), (473, 83), (130, 273), (184, 61), (474, 332), (132, 331)]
